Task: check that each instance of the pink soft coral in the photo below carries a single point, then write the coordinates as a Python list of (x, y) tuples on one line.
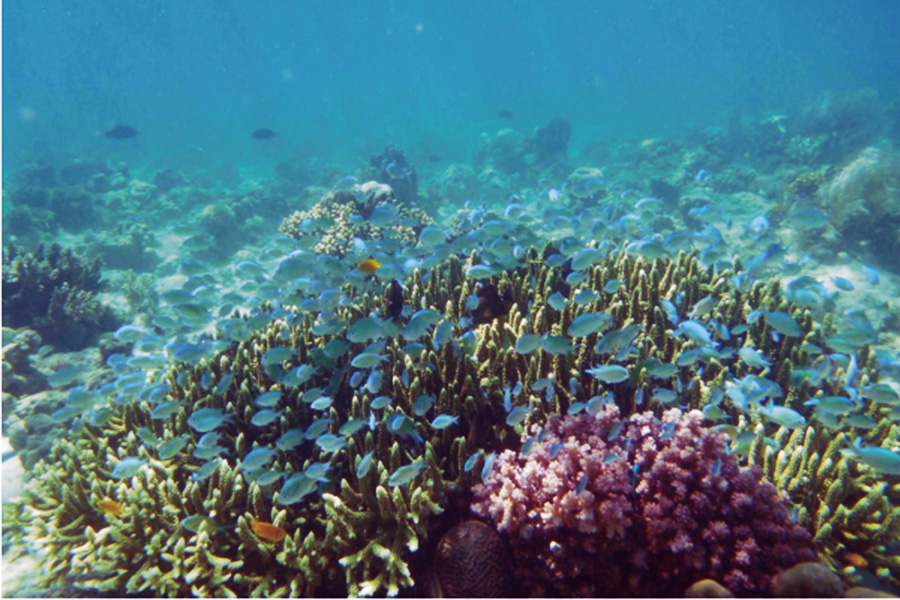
[(664, 506)]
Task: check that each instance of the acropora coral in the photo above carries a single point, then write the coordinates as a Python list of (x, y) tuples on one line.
[(186, 527)]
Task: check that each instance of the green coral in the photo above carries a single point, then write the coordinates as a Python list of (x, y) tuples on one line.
[(848, 507), (359, 534)]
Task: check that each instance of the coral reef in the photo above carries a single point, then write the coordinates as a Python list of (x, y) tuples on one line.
[(499, 155), (126, 245), (603, 505), (551, 141), (19, 375), (338, 217), (863, 203), (54, 292), (850, 511), (392, 168), (187, 530)]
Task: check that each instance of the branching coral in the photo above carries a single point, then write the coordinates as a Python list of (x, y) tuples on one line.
[(53, 291), (603, 506), (355, 532), (338, 217), (852, 511)]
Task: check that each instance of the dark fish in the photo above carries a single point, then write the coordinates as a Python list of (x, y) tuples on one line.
[(393, 300), (434, 158), (121, 132), (263, 134), (505, 114), (491, 304)]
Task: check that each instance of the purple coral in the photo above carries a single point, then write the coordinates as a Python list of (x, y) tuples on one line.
[(663, 505)]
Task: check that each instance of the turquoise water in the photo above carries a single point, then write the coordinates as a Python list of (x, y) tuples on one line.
[(342, 278), (340, 81)]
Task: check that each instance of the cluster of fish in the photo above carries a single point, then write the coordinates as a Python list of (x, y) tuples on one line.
[(210, 313)]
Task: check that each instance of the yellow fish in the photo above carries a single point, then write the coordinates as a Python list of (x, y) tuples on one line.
[(368, 266), (111, 507), (267, 531)]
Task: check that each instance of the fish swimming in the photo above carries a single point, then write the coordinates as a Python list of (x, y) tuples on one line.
[(263, 134), (368, 266), (121, 132), (111, 507)]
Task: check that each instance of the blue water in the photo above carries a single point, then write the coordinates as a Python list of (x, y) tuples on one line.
[(340, 80)]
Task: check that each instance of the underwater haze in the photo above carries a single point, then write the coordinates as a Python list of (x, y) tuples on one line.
[(342, 79), (450, 299)]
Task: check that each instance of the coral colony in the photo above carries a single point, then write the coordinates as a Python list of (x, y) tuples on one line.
[(582, 392)]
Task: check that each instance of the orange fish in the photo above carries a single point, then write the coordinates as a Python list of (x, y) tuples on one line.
[(368, 266), (267, 531), (111, 507)]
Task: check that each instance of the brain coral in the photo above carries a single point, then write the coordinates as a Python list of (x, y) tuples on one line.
[(604, 506)]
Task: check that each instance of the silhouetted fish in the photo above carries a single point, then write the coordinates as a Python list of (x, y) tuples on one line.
[(434, 158), (490, 304), (505, 114), (263, 134), (393, 300), (121, 132)]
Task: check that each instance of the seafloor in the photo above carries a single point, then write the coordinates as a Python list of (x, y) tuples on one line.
[(618, 371)]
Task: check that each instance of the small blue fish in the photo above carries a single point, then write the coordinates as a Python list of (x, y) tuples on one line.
[(296, 488), (517, 415), (352, 426), (582, 484), (329, 443), (554, 449), (610, 458), (173, 447), (406, 473), (381, 402), (127, 467), (557, 301), (444, 421), (615, 431), (871, 275), (668, 430), (609, 373), (365, 464), (527, 446), (423, 405), (268, 399), (472, 461), (488, 465), (266, 417), (258, 458)]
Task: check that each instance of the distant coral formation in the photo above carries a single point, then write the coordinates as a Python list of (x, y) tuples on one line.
[(54, 292)]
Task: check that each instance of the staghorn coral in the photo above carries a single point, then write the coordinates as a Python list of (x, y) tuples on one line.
[(850, 509), (647, 508), (356, 536), (331, 224), (54, 292)]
